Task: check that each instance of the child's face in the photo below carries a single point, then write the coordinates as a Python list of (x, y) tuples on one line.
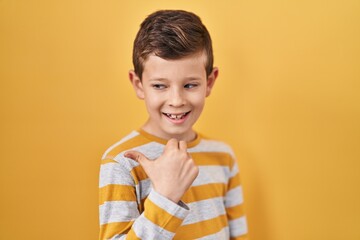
[(174, 92)]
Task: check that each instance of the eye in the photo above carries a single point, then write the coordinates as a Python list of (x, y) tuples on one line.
[(191, 85), (158, 86)]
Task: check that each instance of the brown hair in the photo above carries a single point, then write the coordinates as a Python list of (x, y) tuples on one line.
[(171, 34)]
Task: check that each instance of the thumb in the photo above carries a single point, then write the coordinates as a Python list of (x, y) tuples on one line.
[(136, 156)]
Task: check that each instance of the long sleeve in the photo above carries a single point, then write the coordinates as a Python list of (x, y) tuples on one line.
[(234, 206), (121, 215)]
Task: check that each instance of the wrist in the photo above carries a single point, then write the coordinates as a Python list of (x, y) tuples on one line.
[(172, 196)]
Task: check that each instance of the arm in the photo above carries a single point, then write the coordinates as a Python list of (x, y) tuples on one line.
[(119, 209), (234, 206), (171, 175)]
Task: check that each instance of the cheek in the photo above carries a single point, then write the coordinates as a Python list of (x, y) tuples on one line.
[(153, 100), (198, 100)]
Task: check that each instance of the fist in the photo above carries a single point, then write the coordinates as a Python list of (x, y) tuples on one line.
[(172, 173)]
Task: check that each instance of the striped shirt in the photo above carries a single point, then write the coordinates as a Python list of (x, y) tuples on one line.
[(212, 208)]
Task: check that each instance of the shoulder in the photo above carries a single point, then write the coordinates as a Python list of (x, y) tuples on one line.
[(133, 141), (118, 146)]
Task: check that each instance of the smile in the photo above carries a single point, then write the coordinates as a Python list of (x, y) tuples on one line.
[(176, 116)]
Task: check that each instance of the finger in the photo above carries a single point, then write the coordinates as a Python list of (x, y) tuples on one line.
[(182, 146), (172, 143), (136, 156)]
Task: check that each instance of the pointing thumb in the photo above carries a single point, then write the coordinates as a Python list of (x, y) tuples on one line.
[(136, 156)]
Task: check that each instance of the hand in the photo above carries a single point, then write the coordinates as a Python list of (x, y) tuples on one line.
[(172, 173)]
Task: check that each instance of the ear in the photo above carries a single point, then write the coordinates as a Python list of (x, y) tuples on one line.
[(211, 80), (137, 84)]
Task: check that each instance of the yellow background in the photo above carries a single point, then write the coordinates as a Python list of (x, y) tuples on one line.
[(287, 99)]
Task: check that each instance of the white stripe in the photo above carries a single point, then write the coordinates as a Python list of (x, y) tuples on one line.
[(114, 173), (144, 188), (212, 174), (145, 229), (222, 234), (205, 210), (151, 150), (212, 146), (234, 197), (131, 135), (234, 170), (238, 227), (118, 211)]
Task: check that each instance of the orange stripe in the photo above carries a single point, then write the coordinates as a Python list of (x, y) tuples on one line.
[(138, 174), (243, 237), (131, 143), (234, 181), (212, 158), (109, 230), (161, 217), (201, 159), (201, 229), (202, 192), (116, 192), (235, 212), (107, 160), (132, 235), (141, 206)]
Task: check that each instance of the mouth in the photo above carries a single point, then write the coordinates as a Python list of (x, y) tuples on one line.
[(177, 116)]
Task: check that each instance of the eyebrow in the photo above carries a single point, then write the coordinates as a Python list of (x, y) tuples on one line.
[(165, 79), (158, 79)]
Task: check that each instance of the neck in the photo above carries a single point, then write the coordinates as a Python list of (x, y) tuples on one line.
[(187, 137)]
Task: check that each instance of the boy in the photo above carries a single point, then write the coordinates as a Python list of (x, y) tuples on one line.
[(165, 181)]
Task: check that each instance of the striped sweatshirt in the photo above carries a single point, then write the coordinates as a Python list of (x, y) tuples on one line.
[(212, 208)]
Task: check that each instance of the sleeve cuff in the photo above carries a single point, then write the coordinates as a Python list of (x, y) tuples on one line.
[(180, 210)]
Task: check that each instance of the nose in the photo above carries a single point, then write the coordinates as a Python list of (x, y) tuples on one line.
[(176, 98)]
